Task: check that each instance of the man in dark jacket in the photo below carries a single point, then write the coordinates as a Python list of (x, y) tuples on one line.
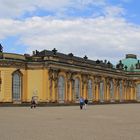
[(85, 103)]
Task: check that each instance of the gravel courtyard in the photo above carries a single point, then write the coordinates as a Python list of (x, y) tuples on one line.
[(98, 122)]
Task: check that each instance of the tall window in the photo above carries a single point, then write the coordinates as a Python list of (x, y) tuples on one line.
[(61, 88), (101, 91), (77, 88), (138, 91), (90, 94), (111, 90), (121, 91), (16, 86)]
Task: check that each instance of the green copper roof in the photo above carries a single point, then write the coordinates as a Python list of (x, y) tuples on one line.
[(131, 64)]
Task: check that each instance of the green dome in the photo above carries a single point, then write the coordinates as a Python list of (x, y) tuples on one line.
[(130, 61)]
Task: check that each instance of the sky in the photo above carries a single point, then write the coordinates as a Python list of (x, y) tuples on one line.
[(100, 29)]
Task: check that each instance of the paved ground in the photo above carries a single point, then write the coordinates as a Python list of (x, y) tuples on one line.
[(98, 122)]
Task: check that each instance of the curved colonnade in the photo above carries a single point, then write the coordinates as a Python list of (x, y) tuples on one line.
[(68, 87)]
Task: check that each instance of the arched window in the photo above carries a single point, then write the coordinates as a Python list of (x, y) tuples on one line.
[(61, 89), (77, 88), (90, 94), (111, 91), (16, 86), (101, 91), (121, 91), (138, 91)]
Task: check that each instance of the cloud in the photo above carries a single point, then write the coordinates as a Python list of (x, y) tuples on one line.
[(114, 11), (16, 8), (106, 36), (101, 37)]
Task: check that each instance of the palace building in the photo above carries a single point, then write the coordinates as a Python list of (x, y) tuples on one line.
[(54, 77)]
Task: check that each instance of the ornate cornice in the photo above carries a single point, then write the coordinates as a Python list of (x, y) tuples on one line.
[(12, 64)]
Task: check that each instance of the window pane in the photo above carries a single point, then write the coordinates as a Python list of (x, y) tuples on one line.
[(77, 88), (16, 86), (90, 94), (61, 88)]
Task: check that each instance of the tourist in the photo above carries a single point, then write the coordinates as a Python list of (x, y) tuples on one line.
[(33, 103), (85, 103), (81, 100)]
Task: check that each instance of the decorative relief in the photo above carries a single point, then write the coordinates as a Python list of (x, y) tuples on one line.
[(97, 80), (50, 74), (85, 78), (128, 83), (12, 64), (117, 82), (125, 83), (53, 74), (70, 75), (69, 78), (131, 84), (108, 80)]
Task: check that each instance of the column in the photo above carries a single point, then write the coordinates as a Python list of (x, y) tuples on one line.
[(93, 90), (132, 93), (53, 91), (70, 81), (96, 89), (85, 90), (70, 91), (97, 92), (108, 93), (124, 90), (53, 76), (84, 85)]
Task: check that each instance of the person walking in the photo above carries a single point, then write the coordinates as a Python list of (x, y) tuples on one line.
[(85, 103), (33, 103), (81, 100)]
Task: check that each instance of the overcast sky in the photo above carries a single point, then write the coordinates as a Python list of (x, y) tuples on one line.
[(100, 29)]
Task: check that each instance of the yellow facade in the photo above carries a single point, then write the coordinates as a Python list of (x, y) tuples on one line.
[(54, 79)]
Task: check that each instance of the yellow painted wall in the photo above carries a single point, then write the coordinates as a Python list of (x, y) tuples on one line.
[(37, 84), (33, 82), (46, 86), (6, 86)]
